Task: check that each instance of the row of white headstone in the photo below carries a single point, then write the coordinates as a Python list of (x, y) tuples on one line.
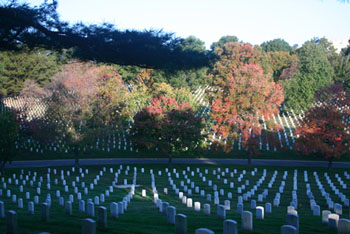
[(115, 208), (260, 210)]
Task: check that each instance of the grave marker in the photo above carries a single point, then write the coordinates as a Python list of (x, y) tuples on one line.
[(171, 213), (221, 212), (333, 221), (343, 226), (204, 231), (89, 226), (114, 210), (180, 224), (206, 209), (247, 221), (11, 222), (293, 220), (102, 216), (45, 212), (260, 212), (230, 227), (288, 229)]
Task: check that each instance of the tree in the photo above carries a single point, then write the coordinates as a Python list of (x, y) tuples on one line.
[(314, 72), (68, 117), (37, 64), (41, 27), (323, 131), (168, 127), (223, 40), (289, 72), (32, 89), (192, 43), (249, 94), (346, 51), (341, 66), (280, 61), (230, 57), (110, 104), (276, 45), (8, 136)]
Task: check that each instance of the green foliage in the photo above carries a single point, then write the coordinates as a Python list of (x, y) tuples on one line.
[(281, 60), (8, 136), (181, 95), (136, 100), (314, 72), (341, 66), (346, 51), (38, 65), (276, 45), (192, 43), (190, 78), (327, 46), (128, 73), (223, 40)]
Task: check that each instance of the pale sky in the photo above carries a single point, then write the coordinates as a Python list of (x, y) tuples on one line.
[(253, 21)]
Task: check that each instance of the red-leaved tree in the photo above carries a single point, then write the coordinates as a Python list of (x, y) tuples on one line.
[(167, 126), (248, 94), (326, 128)]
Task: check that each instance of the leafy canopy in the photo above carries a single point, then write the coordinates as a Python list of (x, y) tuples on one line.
[(41, 27), (251, 95), (167, 126), (314, 72), (324, 131), (276, 45)]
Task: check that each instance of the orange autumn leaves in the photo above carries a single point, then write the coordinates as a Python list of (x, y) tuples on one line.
[(325, 131), (247, 94)]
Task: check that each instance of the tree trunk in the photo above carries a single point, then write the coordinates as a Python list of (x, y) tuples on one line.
[(330, 161), (3, 168), (76, 155), (170, 159), (249, 159)]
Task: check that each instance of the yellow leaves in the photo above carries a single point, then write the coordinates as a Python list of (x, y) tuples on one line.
[(162, 90)]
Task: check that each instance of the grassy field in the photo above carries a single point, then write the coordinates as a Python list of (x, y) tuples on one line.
[(142, 215)]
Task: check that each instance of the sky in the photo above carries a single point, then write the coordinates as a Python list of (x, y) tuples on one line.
[(253, 21)]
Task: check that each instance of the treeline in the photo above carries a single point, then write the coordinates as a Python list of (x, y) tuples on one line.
[(35, 44), (301, 71)]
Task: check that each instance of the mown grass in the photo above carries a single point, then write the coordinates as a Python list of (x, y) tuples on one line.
[(142, 215)]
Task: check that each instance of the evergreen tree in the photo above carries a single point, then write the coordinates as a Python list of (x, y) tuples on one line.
[(314, 72)]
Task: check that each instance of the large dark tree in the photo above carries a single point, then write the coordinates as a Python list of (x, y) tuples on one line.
[(41, 27)]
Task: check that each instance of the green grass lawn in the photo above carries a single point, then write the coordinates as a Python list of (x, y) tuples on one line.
[(142, 215)]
